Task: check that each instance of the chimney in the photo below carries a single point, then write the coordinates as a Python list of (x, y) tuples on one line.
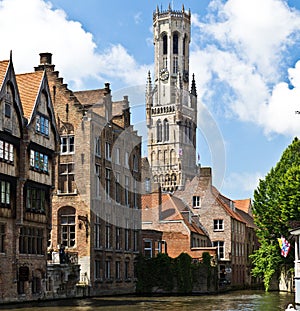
[(45, 58), (45, 62)]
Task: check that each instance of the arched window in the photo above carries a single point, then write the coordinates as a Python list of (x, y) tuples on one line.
[(166, 157), (166, 130), (152, 158), (66, 216), (165, 44), (190, 131), (159, 131), (184, 45), (175, 43), (172, 157)]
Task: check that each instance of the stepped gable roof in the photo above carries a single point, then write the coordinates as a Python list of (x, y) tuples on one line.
[(91, 97), (3, 70), (225, 203), (29, 86)]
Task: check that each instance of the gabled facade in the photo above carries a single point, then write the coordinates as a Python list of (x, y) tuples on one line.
[(28, 144), (227, 226), (96, 204), (181, 231)]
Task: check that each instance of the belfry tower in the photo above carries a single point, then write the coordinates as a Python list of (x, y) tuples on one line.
[(171, 109)]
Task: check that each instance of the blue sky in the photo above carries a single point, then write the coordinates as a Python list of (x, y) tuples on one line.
[(244, 55)]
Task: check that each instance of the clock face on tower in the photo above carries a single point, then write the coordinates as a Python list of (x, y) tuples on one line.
[(164, 74)]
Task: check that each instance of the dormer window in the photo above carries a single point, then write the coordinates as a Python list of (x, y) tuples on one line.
[(42, 125)]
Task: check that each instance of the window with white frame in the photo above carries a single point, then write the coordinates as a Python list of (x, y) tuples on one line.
[(196, 201), (126, 163), (67, 226), (218, 225), (6, 151), (107, 151), (67, 144), (66, 178), (97, 146), (118, 237), (117, 156), (148, 248), (220, 249)]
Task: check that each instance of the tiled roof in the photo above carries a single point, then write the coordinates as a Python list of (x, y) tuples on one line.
[(243, 205), (223, 201), (3, 70), (90, 97), (29, 85)]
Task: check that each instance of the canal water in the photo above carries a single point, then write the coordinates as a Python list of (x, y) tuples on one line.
[(233, 301)]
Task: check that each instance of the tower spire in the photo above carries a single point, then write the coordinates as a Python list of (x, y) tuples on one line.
[(193, 87)]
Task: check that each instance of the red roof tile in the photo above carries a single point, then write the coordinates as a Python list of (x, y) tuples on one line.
[(29, 85), (3, 70)]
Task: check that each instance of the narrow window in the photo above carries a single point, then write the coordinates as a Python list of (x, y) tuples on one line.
[(159, 131), (175, 43), (165, 44), (166, 130), (67, 226), (97, 228)]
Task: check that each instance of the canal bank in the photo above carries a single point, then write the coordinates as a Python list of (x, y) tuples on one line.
[(256, 300)]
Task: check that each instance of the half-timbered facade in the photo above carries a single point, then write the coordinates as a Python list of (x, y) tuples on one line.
[(28, 144)]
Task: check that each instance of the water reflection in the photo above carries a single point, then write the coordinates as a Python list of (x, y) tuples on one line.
[(234, 301)]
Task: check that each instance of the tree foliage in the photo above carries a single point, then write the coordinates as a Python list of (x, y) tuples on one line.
[(276, 203)]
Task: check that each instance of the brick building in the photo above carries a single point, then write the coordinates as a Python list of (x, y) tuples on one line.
[(230, 229), (96, 203), (175, 224), (28, 143)]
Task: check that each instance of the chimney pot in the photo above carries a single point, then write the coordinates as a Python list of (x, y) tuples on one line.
[(45, 58)]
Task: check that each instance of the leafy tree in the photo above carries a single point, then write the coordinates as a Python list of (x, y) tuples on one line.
[(276, 203)]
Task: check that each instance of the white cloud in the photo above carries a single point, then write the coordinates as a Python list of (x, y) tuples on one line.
[(41, 28), (240, 53), (242, 182), (138, 18)]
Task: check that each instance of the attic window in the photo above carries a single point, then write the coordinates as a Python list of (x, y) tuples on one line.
[(7, 107), (196, 201), (42, 125)]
